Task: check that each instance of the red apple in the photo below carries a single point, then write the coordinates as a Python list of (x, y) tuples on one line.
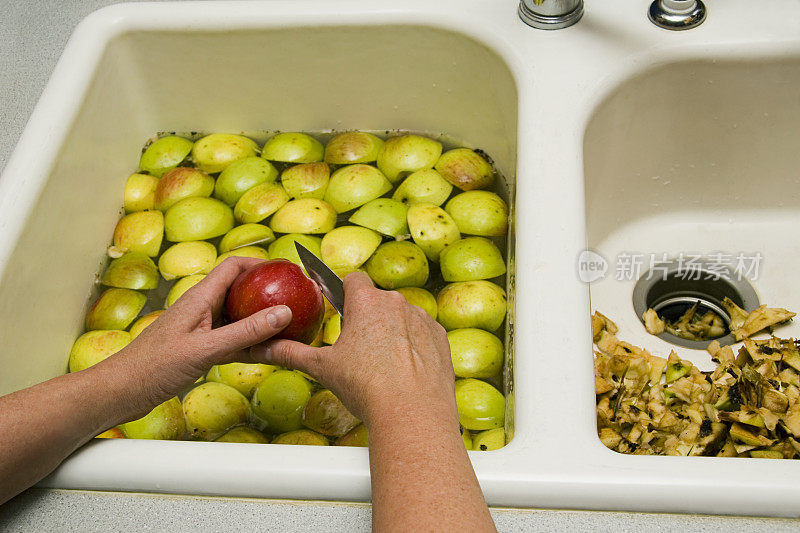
[(278, 282)]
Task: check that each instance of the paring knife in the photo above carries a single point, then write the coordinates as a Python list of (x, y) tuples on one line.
[(330, 284)]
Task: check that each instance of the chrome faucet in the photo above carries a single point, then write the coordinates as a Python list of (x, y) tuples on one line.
[(550, 14)]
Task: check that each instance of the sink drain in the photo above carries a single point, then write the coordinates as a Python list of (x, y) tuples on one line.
[(671, 290)]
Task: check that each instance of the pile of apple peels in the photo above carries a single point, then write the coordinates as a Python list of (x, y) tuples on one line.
[(748, 407)]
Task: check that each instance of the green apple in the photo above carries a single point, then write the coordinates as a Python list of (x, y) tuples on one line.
[(134, 270), (465, 169), (186, 259), (423, 186), (164, 154), (241, 176), (283, 247), (306, 180), (332, 329), (260, 202), (326, 414), (432, 229), (353, 147), (255, 252), (115, 309), (405, 154), (141, 231), (213, 408), (475, 353), (471, 259), (479, 213), (480, 406), (197, 219), (472, 304), (383, 215), (140, 192), (143, 322), (292, 148), (246, 235), (306, 215), (355, 185), (244, 377), (349, 247), (421, 298), (244, 434), (94, 346), (467, 438), (213, 153), (279, 400), (181, 286), (164, 422), (304, 437), (358, 436), (180, 183), (491, 439), (398, 264)]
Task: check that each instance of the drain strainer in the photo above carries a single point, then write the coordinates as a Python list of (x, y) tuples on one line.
[(671, 290)]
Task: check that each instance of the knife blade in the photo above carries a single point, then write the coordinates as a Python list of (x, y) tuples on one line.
[(329, 283)]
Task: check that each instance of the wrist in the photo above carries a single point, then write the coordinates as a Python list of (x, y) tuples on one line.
[(398, 415)]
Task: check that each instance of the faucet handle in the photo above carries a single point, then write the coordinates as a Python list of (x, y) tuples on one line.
[(550, 14), (677, 14)]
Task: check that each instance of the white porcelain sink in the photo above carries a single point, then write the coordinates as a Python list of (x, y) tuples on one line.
[(578, 120)]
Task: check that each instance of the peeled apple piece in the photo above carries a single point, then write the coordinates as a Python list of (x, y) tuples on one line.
[(292, 148), (332, 329), (197, 219), (244, 377), (472, 304), (326, 414), (465, 169), (355, 185), (213, 153), (480, 406), (424, 186), (403, 155), (180, 183), (283, 247), (212, 408), (471, 259), (475, 353), (260, 202), (384, 215), (279, 400), (255, 252), (241, 176), (479, 213), (306, 180), (164, 154), (141, 231), (134, 270), (143, 322), (349, 247), (421, 298), (491, 439), (180, 287), (306, 215), (398, 264), (353, 147), (115, 309), (94, 346), (246, 235), (432, 229), (186, 259), (244, 434), (358, 436), (164, 422), (140, 192), (304, 437)]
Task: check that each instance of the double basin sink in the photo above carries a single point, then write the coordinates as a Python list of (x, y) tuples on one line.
[(614, 136)]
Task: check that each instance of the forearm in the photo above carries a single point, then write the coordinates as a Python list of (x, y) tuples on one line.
[(422, 479), (44, 424)]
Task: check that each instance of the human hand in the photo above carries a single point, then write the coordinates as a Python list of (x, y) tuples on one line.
[(180, 346), (391, 356)]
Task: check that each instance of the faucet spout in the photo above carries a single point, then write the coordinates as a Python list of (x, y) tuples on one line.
[(550, 14)]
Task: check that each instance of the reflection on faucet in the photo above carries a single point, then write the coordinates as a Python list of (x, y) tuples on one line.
[(550, 14)]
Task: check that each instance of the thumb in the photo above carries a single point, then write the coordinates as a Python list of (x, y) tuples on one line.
[(290, 354), (249, 331)]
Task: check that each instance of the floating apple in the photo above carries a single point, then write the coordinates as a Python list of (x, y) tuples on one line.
[(304, 437), (278, 282), (141, 231), (292, 148), (143, 322), (421, 298), (476, 353), (140, 192), (479, 213), (348, 247), (260, 202), (256, 252), (243, 377), (491, 439), (180, 287), (213, 153), (246, 235), (164, 154), (244, 434), (186, 259), (397, 264), (284, 248), (197, 219), (213, 408), (471, 259), (134, 270), (180, 183), (241, 176), (358, 436), (465, 169), (94, 346), (279, 400), (355, 185), (306, 215), (353, 147), (306, 180), (405, 154), (423, 186), (332, 329), (480, 406), (383, 215), (472, 304), (115, 309), (432, 229), (164, 422)]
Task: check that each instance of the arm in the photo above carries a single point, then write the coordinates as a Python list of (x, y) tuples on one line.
[(403, 391), (44, 424)]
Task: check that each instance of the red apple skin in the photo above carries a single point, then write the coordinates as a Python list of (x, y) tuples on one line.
[(278, 282)]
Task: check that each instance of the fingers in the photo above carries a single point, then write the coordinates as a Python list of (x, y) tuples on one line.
[(290, 354), (249, 331), (355, 284), (210, 291)]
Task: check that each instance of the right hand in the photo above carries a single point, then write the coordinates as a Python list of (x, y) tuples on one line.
[(390, 356)]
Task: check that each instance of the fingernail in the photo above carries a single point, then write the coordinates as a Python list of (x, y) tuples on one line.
[(279, 316)]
